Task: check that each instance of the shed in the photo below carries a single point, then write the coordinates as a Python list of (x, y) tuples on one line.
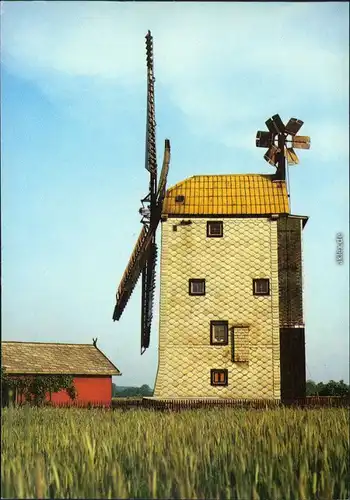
[(91, 370)]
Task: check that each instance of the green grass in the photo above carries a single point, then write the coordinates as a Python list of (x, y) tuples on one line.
[(277, 454)]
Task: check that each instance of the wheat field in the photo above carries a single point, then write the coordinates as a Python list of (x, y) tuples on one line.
[(223, 453)]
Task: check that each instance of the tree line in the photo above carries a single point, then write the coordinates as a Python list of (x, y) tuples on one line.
[(131, 392), (35, 388), (331, 388)]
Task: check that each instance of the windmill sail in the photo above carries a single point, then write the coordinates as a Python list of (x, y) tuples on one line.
[(151, 151), (292, 157), (301, 142), (148, 288), (132, 272), (278, 135), (164, 172), (143, 257)]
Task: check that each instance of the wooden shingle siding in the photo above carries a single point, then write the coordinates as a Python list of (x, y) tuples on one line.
[(54, 358), (290, 272), (248, 250)]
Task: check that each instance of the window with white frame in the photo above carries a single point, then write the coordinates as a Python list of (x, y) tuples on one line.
[(215, 229), (196, 286), (219, 332), (261, 286)]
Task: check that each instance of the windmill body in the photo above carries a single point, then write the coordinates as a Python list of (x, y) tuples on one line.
[(231, 300), (228, 339)]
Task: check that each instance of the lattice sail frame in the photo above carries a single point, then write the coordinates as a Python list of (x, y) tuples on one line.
[(147, 301), (132, 272), (144, 256)]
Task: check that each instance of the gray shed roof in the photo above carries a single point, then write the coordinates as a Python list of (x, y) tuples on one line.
[(54, 358)]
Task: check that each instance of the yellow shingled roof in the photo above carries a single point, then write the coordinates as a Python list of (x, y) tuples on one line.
[(227, 195), (54, 358)]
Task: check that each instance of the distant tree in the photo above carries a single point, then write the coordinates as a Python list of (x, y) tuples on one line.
[(35, 388), (311, 388), (145, 390), (321, 387), (5, 389), (133, 392), (343, 388), (331, 388)]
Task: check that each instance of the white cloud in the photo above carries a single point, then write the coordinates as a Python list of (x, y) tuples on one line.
[(221, 64)]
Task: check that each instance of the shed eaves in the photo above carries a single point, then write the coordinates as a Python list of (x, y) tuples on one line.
[(54, 358), (246, 194)]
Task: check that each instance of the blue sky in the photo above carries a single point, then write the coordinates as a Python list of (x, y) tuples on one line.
[(73, 127)]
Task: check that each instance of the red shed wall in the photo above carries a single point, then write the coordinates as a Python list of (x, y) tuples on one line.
[(89, 389)]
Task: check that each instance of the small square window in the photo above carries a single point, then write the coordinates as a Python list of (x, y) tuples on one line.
[(179, 198), (218, 332), (218, 377), (261, 287), (214, 229), (196, 287)]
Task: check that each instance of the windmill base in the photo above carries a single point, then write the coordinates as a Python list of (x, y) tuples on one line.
[(206, 402), (178, 404)]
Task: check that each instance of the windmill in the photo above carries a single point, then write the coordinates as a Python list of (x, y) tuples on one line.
[(230, 321), (281, 140), (144, 256)]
